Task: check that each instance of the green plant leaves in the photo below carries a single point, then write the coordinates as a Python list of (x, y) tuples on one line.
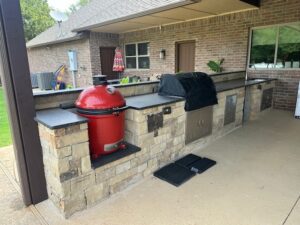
[(216, 66)]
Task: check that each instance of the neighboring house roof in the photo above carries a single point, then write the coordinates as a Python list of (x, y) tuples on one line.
[(95, 13)]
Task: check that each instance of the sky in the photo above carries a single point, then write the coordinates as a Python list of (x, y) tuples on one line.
[(61, 5)]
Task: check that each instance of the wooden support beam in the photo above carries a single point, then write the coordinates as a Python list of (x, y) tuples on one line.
[(15, 76)]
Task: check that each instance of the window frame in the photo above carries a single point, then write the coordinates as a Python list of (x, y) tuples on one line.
[(277, 26), (137, 55)]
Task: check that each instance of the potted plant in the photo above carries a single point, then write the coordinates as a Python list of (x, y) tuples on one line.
[(216, 66)]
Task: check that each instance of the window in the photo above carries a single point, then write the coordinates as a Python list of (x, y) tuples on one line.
[(137, 56), (263, 48), (288, 47), (275, 47)]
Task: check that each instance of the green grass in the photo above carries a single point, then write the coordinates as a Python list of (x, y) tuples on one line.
[(5, 137)]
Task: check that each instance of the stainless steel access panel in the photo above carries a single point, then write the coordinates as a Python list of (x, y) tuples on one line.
[(198, 124), (230, 109), (247, 104), (297, 112), (267, 99)]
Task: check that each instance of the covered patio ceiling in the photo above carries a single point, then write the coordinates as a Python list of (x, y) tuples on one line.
[(199, 9)]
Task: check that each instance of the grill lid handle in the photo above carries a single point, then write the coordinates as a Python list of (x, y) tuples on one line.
[(113, 111), (99, 80)]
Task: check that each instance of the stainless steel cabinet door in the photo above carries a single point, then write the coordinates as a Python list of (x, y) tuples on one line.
[(198, 124), (297, 113), (230, 109)]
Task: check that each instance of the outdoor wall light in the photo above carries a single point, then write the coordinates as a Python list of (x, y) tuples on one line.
[(162, 54)]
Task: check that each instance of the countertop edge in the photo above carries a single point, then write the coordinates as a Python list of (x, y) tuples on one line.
[(79, 90), (80, 119), (266, 80), (60, 126), (157, 105)]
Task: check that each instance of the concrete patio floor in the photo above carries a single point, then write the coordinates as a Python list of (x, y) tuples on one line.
[(256, 182), (7, 160), (12, 209)]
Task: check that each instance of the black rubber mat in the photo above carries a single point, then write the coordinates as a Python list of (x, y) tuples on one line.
[(174, 174), (188, 160), (202, 165)]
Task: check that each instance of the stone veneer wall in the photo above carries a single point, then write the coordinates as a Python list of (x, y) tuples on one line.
[(256, 98), (67, 167), (228, 76), (219, 130), (170, 142), (73, 185), (55, 99), (162, 147), (285, 92)]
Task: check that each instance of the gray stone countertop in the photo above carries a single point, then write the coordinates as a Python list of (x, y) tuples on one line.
[(233, 84), (150, 100), (60, 118)]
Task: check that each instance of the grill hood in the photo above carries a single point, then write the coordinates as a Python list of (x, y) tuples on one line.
[(197, 88)]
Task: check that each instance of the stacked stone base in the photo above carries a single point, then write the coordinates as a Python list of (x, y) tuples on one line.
[(256, 98), (73, 184)]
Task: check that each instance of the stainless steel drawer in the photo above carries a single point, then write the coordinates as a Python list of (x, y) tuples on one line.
[(198, 124)]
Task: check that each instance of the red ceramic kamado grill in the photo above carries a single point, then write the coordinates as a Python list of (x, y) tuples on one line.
[(104, 107)]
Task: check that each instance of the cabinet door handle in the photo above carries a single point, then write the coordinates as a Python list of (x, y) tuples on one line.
[(201, 123)]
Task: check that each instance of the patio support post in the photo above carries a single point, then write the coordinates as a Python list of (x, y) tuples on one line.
[(14, 71)]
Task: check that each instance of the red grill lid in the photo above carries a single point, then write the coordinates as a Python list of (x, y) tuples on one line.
[(100, 97)]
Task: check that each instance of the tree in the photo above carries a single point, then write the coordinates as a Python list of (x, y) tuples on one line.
[(36, 17), (74, 7)]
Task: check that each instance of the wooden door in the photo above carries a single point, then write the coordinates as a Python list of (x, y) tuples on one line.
[(185, 56), (107, 55)]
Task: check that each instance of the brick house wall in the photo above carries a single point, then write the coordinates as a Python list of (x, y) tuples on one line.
[(285, 95), (49, 58), (98, 40), (219, 37)]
